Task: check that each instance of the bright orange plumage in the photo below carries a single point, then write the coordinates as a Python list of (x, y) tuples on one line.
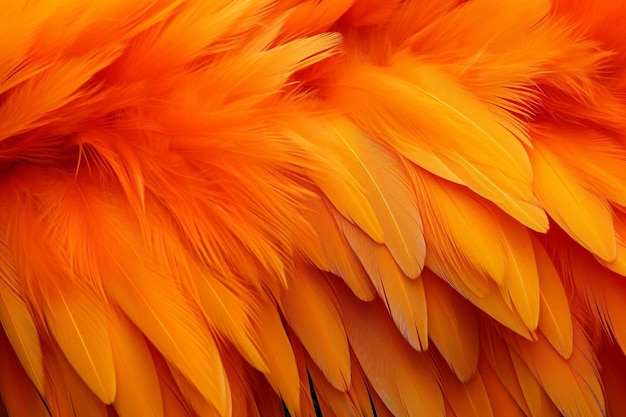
[(346, 207)]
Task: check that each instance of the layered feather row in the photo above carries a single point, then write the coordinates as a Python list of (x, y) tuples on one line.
[(352, 207)]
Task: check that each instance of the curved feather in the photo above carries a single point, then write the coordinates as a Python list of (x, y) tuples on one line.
[(66, 393), (469, 398), (585, 216), (338, 256), (19, 326), (78, 322), (452, 326), (502, 403), (404, 298), (282, 371), (459, 228), (157, 306), (18, 394), (138, 391), (539, 403), (496, 169), (403, 378), (312, 311), (573, 385), (555, 318)]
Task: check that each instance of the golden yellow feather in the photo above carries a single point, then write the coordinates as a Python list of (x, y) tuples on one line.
[(335, 208)]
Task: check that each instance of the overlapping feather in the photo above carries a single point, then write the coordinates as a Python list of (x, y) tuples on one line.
[(215, 208)]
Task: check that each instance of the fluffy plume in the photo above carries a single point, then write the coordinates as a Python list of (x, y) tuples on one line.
[(239, 208)]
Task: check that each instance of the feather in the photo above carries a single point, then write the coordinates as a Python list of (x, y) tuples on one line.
[(312, 311), (379, 175), (585, 216), (340, 403), (502, 403), (602, 298), (361, 392), (497, 354), (492, 301), (339, 258), (192, 397), (573, 385), (452, 326), (499, 171), (467, 398), (19, 395), (282, 371), (19, 325), (454, 222), (230, 310), (138, 391), (521, 279), (78, 322), (386, 186), (555, 319), (404, 298), (67, 393), (538, 401), (403, 378), (158, 307), (306, 385), (618, 265)]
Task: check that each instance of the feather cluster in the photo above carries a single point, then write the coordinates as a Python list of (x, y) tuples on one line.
[(229, 208)]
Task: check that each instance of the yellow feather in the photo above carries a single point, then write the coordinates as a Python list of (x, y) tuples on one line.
[(555, 318), (333, 176), (312, 312), (497, 169), (17, 393), (385, 184), (452, 326), (502, 403), (491, 300), (585, 216), (403, 378), (138, 391), (538, 401), (166, 316), (282, 371), (521, 279), (19, 326), (404, 298), (78, 322), (339, 258), (573, 385)]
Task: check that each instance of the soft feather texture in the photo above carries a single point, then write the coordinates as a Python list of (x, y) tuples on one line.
[(341, 207)]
